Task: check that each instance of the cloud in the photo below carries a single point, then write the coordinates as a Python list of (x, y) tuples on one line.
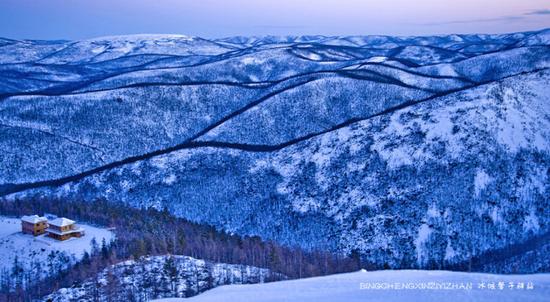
[(281, 26), (484, 20), (539, 12)]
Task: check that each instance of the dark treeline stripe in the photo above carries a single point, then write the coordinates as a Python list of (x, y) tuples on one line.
[(497, 256), (72, 88)]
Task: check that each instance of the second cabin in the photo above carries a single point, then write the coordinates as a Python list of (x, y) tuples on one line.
[(63, 229)]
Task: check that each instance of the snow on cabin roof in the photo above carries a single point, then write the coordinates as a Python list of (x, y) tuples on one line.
[(33, 219), (79, 230), (60, 222)]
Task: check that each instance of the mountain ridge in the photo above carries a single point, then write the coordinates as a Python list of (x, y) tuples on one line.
[(192, 143), (310, 144)]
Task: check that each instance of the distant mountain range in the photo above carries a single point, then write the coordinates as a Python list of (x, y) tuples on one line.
[(412, 152)]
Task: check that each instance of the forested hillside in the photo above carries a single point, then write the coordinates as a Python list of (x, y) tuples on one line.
[(147, 232), (406, 152)]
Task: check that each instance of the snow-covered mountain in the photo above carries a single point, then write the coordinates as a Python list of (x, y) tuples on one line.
[(161, 276), (412, 151)]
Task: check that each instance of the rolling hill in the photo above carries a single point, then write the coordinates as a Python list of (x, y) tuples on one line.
[(413, 152)]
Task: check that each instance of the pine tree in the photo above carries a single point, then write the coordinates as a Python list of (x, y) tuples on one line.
[(85, 258), (171, 270), (17, 272), (104, 250), (50, 262)]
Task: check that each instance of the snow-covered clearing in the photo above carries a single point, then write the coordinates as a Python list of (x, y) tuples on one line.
[(29, 248)]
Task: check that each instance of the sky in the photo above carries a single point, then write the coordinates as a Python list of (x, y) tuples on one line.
[(81, 19)]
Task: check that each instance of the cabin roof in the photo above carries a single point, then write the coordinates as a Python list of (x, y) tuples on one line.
[(79, 230), (33, 219), (61, 222)]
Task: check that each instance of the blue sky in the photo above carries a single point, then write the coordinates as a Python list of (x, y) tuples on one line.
[(80, 19)]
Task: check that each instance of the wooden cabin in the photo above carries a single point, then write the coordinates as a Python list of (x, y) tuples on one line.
[(34, 225), (63, 229)]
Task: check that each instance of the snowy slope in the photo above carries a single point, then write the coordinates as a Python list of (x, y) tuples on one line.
[(347, 288), (161, 276), (143, 93), (41, 250), (417, 152)]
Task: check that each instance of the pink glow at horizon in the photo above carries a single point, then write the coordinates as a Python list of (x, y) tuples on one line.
[(77, 19)]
